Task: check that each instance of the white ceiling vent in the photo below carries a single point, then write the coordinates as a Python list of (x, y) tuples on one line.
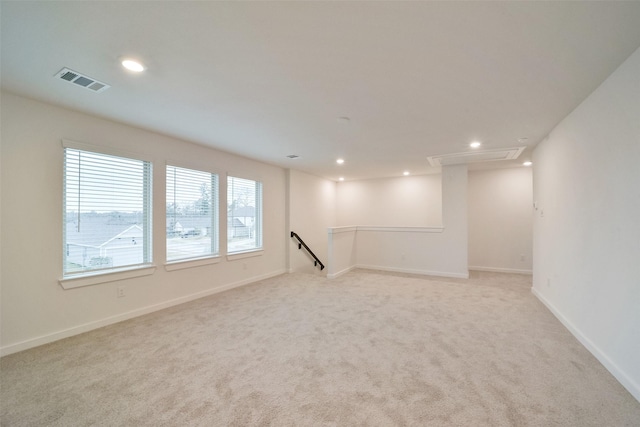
[(476, 156), (82, 80)]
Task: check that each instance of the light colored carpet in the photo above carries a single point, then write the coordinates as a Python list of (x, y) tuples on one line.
[(366, 349)]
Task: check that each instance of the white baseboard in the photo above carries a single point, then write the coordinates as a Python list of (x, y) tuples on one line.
[(76, 330), (501, 270), (340, 273), (627, 382), (429, 272), (411, 271)]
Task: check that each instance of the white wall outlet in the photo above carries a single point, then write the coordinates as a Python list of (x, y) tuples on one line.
[(522, 257), (121, 291), (548, 282)]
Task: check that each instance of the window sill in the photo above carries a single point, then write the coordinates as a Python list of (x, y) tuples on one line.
[(89, 279), (247, 254), (190, 263)]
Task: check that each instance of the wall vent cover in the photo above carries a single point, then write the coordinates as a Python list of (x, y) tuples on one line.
[(476, 156), (82, 80)]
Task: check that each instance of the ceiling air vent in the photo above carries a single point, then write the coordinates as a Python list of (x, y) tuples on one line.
[(476, 156), (82, 80)]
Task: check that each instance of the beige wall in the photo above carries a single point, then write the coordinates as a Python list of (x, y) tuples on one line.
[(499, 213), (501, 220), (411, 201), (311, 210), (35, 308), (404, 247), (587, 225)]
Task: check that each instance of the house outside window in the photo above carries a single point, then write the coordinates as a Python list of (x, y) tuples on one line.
[(244, 215), (106, 211), (192, 214)]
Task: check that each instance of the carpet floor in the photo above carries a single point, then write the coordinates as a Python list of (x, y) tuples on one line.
[(365, 349)]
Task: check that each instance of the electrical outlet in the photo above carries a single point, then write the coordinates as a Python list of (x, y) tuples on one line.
[(548, 282), (120, 291), (244, 265), (522, 257)]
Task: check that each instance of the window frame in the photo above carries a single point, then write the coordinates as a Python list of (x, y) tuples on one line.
[(258, 218), (103, 275), (214, 256)]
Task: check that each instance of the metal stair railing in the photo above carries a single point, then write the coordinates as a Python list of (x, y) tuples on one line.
[(301, 244)]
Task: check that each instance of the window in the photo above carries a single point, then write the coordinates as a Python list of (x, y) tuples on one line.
[(244, 215), (107, 212), (192, 214)]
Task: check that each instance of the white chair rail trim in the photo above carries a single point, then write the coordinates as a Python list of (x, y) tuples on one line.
[(352, 228)]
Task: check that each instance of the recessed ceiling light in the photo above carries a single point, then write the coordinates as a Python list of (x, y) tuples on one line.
[(475, 144), (344, 119), (523, 140), (293, 156), (341, 178), (132, 65), (405, 173), (527, 163), (340, 161)]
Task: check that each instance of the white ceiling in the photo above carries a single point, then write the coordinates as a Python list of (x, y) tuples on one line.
[(269, 79)]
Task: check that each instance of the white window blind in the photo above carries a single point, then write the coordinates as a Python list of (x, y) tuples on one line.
[(244, 215), (107, 212), (192, 214)]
